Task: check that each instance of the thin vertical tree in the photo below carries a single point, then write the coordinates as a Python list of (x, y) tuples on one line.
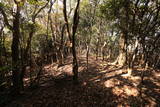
[(72, 36)]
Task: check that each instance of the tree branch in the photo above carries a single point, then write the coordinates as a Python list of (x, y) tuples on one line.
[(5, 18), (36, 13), (66, 19), (76, 18)]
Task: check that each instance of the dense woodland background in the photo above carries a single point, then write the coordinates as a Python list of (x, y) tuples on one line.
[(79, 53)]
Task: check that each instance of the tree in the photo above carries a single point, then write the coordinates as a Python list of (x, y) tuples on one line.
[(134, 20), (72, 36), (15, 45)]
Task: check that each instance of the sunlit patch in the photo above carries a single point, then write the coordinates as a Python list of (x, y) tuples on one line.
[(47, 66), (111, 83), (94, 78), (135, 80), (127, 90), (67, 69), (58, 73), (103, 71), (117, 90), (130, 91), (157, 74), (80, 68), (103, 64)]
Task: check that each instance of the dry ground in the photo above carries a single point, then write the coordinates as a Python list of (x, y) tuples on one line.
[(102, 85)]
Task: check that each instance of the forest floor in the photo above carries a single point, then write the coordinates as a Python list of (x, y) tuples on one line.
[(102, 85)]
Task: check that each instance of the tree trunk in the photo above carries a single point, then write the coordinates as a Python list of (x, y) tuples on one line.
[(87, 55), (103, 50), (75, 63), (74, 29), (132, 58), (15, 52), (72, 37), (61, 49), (1, 46), (97, 49), (122, 51)]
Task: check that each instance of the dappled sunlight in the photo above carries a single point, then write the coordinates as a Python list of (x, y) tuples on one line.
[(106, 77), (135, 80), (130, 91), (117, 91), (118, 88), (99, 85), (66, 69), (79, 53), (111, 83), (157, 74), (81, 69)]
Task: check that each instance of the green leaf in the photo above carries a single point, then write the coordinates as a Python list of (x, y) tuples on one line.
[(33, 2), (1, 5)]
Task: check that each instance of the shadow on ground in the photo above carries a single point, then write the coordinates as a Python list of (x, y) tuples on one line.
[(101, 85)]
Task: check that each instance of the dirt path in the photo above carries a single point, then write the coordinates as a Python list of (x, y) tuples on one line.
[(101, 86)]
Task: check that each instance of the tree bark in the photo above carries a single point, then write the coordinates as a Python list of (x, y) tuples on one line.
[(74, 29), (132, 58), (15, 52), (122, 50), (87, 55), (97, 49), (1, 46), (14, 47), (72, 40)]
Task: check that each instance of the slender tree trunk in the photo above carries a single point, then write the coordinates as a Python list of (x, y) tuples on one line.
[(54, 41), (103, 50), (15, 52), (87, 55), (61, 49), (75, 63), (88, 47), (97, 49), (74, 29), (27, 52), (1, 46)]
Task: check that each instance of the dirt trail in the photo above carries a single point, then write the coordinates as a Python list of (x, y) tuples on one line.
[(102, 85)]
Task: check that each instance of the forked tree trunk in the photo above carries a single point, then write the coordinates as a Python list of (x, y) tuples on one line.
[(74, 29), (72, 36), (27, 52)]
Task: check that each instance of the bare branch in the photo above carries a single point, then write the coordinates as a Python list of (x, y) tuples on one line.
[(36, 13), (5, 18), (76, 18), (66, 19)]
